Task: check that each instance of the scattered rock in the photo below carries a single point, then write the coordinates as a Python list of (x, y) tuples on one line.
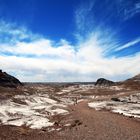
[(56, 123), (115, 99), (76, 123)]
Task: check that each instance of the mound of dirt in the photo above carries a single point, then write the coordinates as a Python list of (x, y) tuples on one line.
[(7, 80)]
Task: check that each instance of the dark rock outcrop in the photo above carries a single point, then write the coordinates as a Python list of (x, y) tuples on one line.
[(104, 82), (7, 80)]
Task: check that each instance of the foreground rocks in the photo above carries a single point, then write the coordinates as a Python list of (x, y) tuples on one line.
[(7, 80)]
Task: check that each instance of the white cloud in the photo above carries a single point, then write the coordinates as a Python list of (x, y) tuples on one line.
[(63, 63), (11, 32), (40, 47), (41, 59)]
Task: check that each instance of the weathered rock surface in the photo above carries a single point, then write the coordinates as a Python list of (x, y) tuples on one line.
[(104, 82), (7, 80)]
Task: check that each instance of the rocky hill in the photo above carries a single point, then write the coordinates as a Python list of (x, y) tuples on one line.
[(104, 82), (136, 78), (132, 83), (7, 80)]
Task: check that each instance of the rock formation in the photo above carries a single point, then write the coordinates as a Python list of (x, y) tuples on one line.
[(104, 82), (7, 80)]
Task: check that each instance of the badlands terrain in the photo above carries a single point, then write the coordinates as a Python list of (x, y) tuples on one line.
[(69, 111)]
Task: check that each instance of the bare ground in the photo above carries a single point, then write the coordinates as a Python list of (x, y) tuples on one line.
[(103, 125), (86, 124)]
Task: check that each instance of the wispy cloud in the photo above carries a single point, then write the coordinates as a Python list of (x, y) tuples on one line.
[(132, 11), (129, 44), (83, 19), (11, 32)]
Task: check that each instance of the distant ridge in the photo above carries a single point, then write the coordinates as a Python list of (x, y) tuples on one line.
[(136, 78), (7, 80), (132, 83)]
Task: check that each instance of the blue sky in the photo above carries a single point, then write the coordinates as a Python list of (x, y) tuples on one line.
[(70, 40)]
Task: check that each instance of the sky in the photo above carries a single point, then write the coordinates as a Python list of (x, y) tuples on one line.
[(70, 40)]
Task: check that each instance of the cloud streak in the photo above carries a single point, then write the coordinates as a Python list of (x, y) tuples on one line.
[(129, 44)]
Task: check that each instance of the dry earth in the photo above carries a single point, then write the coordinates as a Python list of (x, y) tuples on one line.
[(80, 123)]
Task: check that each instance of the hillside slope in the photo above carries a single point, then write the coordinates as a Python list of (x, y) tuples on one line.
[(7, 80)]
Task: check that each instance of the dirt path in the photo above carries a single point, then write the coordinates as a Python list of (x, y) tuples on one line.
[(101, 125)]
